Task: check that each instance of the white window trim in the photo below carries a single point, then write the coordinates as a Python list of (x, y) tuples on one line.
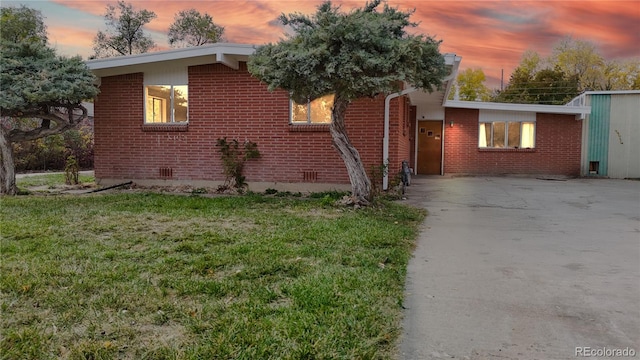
[(172, 109), (482, 139), (166, 75), (493, 116), (308, 122), (154, 98)]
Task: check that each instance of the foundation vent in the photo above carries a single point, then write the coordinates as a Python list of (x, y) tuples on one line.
[(309, 176), (166, 172)]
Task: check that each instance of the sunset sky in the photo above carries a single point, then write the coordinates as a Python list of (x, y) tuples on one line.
[(491, 35)]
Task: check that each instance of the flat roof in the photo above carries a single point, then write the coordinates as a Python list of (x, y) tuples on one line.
[(538, 108), (611, 92)]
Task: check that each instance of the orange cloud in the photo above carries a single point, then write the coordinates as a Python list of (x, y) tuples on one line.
[(491, 35), (76, 41)]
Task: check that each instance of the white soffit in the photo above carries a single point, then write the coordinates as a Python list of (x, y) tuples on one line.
[(225, 53), (436, 98), (548, 109)]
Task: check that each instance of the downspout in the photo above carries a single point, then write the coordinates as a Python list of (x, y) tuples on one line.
[(385, 140)]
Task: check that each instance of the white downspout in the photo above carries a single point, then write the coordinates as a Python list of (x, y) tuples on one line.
[(385, 140)]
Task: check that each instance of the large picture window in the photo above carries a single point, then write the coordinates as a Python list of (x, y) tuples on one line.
[(166, 103), (507, 134), (317, 111)]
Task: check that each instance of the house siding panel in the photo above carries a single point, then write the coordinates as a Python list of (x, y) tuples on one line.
[(624, 147), (557, 149)]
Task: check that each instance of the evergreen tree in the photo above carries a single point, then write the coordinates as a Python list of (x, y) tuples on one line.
[(362, 53), (37, 85)]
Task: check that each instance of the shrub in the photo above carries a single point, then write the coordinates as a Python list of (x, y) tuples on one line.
[(233, 157), (51, 152)]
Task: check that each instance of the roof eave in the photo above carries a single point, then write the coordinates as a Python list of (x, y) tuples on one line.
[(454, 61), (580, 111), (225, 53)]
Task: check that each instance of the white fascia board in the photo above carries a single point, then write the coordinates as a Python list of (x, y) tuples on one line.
[(612, 92), (454, 61), (548, 109), (216, 51), (580, 98)]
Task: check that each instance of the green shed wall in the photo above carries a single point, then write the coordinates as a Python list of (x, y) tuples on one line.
[(598, 147)]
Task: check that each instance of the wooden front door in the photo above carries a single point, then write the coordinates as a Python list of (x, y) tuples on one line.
[(429, 147)]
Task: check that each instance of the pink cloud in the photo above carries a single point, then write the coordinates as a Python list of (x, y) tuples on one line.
[(491, 35)]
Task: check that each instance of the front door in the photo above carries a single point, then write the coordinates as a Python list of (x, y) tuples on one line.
[(429, 147)]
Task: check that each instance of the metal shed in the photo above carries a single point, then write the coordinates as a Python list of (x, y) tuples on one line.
[(611, 134)]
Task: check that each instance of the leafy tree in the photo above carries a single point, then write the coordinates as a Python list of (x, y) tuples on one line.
[(362, 53), (190, 28), (580, 59), (574, 66), (125, 35), (535, 82), (622, 75), (547, 86), (470, 86), (37, 84), (22, 24)]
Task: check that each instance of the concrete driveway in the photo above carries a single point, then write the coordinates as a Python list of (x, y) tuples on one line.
[(522, 268)]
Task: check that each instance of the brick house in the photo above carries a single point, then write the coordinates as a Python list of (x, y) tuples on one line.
[(158, 116)]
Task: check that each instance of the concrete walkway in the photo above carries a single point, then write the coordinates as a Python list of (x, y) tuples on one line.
[(521, 268)]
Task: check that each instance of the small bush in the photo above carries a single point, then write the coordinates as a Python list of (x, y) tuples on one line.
[(71, 170), (233, 158)]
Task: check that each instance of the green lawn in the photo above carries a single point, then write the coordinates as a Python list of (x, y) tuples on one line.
[(151, 276), (50, 180)]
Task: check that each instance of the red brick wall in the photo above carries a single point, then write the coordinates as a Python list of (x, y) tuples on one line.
[(557, 148), (227, 103), (118, 114), (399, 134)]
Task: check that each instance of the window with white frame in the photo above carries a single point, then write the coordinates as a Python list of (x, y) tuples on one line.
[(166, 103), (506, 129), (317, 111)]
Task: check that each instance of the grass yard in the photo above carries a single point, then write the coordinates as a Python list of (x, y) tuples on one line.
[(152, 276), (49, 180)]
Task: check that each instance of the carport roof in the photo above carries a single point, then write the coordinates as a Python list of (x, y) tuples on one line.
[(579, 111)]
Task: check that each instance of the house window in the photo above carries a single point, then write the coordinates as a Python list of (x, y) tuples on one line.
[(317, 111), (507, 134), (166, 103)]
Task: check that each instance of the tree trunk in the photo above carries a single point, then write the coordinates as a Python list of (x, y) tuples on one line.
[(7, 169), (360, 183)]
